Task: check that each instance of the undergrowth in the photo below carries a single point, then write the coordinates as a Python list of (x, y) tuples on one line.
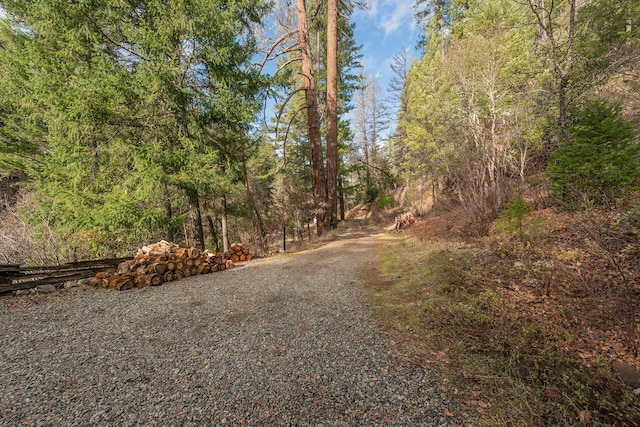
[(500, 321)]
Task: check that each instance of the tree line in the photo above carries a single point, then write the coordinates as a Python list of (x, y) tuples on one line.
[(131, 121), (513, 93), (202, 122)]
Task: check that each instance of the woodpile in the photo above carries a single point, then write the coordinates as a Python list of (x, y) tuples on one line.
[(163, 262), (405, 220), (238, 253)]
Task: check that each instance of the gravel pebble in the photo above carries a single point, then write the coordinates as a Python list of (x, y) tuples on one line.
[(277, 342)]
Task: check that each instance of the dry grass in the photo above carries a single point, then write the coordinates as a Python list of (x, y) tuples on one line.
[(526, 328)]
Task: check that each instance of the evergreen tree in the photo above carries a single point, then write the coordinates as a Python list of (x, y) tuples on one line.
[(598, 164), (135, 104)]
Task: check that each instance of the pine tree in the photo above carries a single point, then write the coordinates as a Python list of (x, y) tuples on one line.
[(598, 163), (129, 106)]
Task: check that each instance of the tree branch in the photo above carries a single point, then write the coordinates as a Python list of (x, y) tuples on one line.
[(284, 104)]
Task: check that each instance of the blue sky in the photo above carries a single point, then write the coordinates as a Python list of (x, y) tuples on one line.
[(382, 30)]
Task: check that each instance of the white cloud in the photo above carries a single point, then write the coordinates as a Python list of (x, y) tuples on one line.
[(396, 15), (391, 16)]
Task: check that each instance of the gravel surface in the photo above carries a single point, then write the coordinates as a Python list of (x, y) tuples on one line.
[(285, 341)]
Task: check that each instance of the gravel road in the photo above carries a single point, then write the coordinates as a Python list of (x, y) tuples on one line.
[(288, 341)]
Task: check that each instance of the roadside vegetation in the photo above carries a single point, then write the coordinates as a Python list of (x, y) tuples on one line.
[(535, 324)]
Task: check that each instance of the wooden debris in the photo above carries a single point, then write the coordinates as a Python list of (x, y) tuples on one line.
[(405, 220)]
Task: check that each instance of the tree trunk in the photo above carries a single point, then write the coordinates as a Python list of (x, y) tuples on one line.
[(214, 235), (196, 220), (169, 214), (332, 113), (223, 221), (258, 223), (341, 199), (562, 57), (313, 119)]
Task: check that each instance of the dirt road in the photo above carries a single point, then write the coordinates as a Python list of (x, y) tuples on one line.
[(283, 341)]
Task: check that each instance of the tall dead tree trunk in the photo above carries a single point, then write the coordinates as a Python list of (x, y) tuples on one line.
[(313, 119), (332, 113), (341, 199)]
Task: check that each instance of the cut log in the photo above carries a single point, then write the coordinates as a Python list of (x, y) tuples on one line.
[(181, 253), (128, 284), (162, 248), (140, 280), (122, 282), (177, 275), (140, 260), (96, 282), (195, 253), (179, 265), (168, 276), (123, 268), (154, 280), (197, 261), (157, 267), (243, 257), (171, 265), (188, 262), (186, 271)]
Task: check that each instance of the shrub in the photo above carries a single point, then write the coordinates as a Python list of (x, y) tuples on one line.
[(598, 162), (511, 220), (385, 202)]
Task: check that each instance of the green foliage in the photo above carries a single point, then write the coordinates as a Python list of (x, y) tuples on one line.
[(489, 94), (472, 103), (112, 109), (513, 218), (598, 163), (385, 202)]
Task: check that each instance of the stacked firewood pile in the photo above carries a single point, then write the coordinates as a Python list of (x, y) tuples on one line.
[(405, 220), (238, 253), (163, 262)]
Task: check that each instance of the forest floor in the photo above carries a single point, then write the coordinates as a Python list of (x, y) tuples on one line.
[(535, 324)]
